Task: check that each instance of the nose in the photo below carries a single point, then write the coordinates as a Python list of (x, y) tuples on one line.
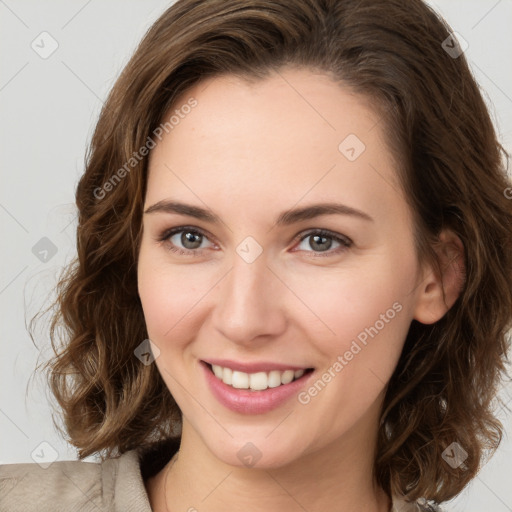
[(250, 303)]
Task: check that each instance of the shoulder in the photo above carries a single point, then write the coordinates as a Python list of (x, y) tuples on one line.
[(63, 484), (74, 486)]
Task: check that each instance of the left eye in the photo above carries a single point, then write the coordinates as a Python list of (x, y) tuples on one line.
[(322, 241)]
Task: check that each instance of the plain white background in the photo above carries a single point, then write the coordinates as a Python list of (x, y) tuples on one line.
[(48, 110)]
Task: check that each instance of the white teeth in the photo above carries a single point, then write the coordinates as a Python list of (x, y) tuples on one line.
[(217, 370), (255, 381), (274, 379), (227, 375), (240, 380), (287, 376), (258, 381)]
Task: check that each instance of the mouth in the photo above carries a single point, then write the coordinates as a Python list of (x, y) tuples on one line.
[(269, 378), (254, 388)]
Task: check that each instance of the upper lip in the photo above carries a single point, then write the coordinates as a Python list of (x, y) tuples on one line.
[(253, 367)]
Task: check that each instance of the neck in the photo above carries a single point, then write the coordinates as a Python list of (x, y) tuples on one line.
[(336, 477)]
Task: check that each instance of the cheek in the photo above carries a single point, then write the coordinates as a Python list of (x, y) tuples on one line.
[(358, 305), (365, 317), (171, 297)]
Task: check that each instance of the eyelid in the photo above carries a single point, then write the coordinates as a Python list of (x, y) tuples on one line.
[(324, 232), (166, 233)]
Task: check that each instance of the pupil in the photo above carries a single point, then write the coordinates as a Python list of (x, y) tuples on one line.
[(318, 240), (191, 240)]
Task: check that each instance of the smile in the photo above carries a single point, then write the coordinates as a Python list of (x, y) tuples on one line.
[(255, 381), (255, 388)]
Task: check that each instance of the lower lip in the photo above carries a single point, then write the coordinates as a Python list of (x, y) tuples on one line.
[(244, 401)]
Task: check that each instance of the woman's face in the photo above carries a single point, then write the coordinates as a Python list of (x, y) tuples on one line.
[(276, 241)]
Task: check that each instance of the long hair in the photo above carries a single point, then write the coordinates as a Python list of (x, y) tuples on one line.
[(451, 168)]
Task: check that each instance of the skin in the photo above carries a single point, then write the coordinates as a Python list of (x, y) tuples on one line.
[(247, 152)]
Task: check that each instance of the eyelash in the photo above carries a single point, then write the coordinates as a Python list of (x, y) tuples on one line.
[(344, 241)]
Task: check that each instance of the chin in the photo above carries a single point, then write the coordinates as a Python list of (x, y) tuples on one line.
[(258, 451)]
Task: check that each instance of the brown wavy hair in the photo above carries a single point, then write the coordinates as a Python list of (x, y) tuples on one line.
[(450, 165)]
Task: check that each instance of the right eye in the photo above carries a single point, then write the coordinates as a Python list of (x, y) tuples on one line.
[(184, 240)]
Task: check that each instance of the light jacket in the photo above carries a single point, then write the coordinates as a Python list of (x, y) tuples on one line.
[(115, 485)]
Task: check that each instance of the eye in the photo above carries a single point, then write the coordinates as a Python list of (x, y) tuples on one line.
[(190, 241), (184, 240), (322, 241)]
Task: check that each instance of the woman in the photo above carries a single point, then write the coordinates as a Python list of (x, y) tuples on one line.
[(301, 204)]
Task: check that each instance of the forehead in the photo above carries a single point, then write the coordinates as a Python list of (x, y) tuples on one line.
[(240, 117), (296, 133)]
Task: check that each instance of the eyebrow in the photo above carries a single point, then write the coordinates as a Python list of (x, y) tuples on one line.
[(286, 218)]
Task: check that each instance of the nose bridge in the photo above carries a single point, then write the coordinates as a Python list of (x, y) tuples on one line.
[(249, 302)]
